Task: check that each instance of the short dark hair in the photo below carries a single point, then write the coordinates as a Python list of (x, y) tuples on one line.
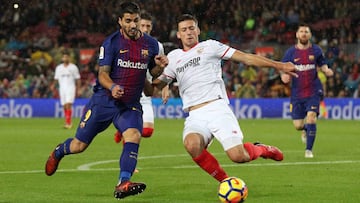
[(303, 24), (128, 7), (66, 52), (184, 17), (146, 16)]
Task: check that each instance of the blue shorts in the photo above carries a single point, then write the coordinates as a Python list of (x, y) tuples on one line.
[(300, 107), (101, 111)]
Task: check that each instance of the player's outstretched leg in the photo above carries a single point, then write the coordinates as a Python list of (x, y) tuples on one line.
[(270, 152), (128, 188), (303, 136), (52, 162), (56, 155)]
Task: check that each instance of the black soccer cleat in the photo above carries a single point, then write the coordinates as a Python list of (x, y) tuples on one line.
[(128, 188)]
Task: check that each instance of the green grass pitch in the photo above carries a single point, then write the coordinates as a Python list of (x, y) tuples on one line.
[(171, 176)]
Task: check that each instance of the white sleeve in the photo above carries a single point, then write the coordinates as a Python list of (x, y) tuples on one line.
[(161, 48), (222, 50)]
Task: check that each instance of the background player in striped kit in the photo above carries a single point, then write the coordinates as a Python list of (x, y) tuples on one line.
[(125, 56), (197, 69), (68, 77), (306, 90)]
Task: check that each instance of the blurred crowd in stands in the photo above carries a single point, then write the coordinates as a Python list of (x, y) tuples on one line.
[(34, 33)]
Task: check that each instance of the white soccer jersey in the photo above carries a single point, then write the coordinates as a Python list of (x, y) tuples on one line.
[(67, 77), (198, 72)]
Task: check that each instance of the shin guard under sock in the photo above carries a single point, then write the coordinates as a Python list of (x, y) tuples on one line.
[(253, 150), (128, 160), (209, 164), (310, 136)]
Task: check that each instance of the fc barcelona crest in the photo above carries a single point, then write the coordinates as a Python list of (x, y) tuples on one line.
[(311, 57), (144, 52)]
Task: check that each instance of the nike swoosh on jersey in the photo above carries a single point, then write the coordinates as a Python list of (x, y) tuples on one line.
[(123, 51)]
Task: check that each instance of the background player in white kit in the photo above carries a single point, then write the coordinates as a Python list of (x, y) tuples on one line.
[(68, 77), (197, 69), (146, 26)]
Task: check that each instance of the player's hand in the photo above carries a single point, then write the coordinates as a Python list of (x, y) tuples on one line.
[(165, 95), (117, 91), (288, 68), (285, 78), (329, 72), (161, 60)]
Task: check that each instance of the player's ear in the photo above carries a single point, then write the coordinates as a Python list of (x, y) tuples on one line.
[(119, 21), (198, 31), (178, 35)]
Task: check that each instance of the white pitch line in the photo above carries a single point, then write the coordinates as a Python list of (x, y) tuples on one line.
[(87, 167)]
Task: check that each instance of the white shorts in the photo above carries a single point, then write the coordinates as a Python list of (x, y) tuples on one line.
[(67, 96), (215, 119), (148, 112)]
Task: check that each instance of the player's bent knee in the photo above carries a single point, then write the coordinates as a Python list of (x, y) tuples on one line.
[(238, 156), (147, 132)]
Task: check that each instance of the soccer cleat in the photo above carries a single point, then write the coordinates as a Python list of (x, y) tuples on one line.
[(117, 137), (303, 136), (128, 188), (309, 154), (271, 152), (68, 126), (52, 163)]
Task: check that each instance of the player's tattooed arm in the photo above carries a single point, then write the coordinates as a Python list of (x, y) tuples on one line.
[(107, 82)]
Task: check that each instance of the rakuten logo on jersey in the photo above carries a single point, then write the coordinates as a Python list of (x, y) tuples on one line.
[(130, 64), (304, 67)]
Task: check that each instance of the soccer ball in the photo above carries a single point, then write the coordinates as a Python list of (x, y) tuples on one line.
[(232, 190)]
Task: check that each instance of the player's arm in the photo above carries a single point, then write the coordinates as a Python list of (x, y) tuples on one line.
[(165, 94), (256, 60), (159, 84), (161, 62), (106, 82), (148, 89), (328, 72), (78, 87)]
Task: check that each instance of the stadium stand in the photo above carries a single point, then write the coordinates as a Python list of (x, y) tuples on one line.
[(33, 34)]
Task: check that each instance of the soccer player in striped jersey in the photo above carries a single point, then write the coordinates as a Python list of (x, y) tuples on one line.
[(306, 90), (125, 56), (197, 69), (146, 26)]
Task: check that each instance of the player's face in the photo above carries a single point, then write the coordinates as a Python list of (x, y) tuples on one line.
[(130, 25), (66, 59), (188, 33), (145, 26), (303, 35)]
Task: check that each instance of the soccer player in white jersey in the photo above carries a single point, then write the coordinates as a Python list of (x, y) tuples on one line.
[(146, 26), (197, 69), (68, 77)]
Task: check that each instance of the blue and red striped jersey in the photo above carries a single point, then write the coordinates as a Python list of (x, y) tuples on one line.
[(306, 62), (129, 61)]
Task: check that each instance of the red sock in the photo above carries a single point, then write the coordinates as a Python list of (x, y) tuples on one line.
[(117, 137), (147, 132), (253, 150), (209, 164), (68, 113)]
